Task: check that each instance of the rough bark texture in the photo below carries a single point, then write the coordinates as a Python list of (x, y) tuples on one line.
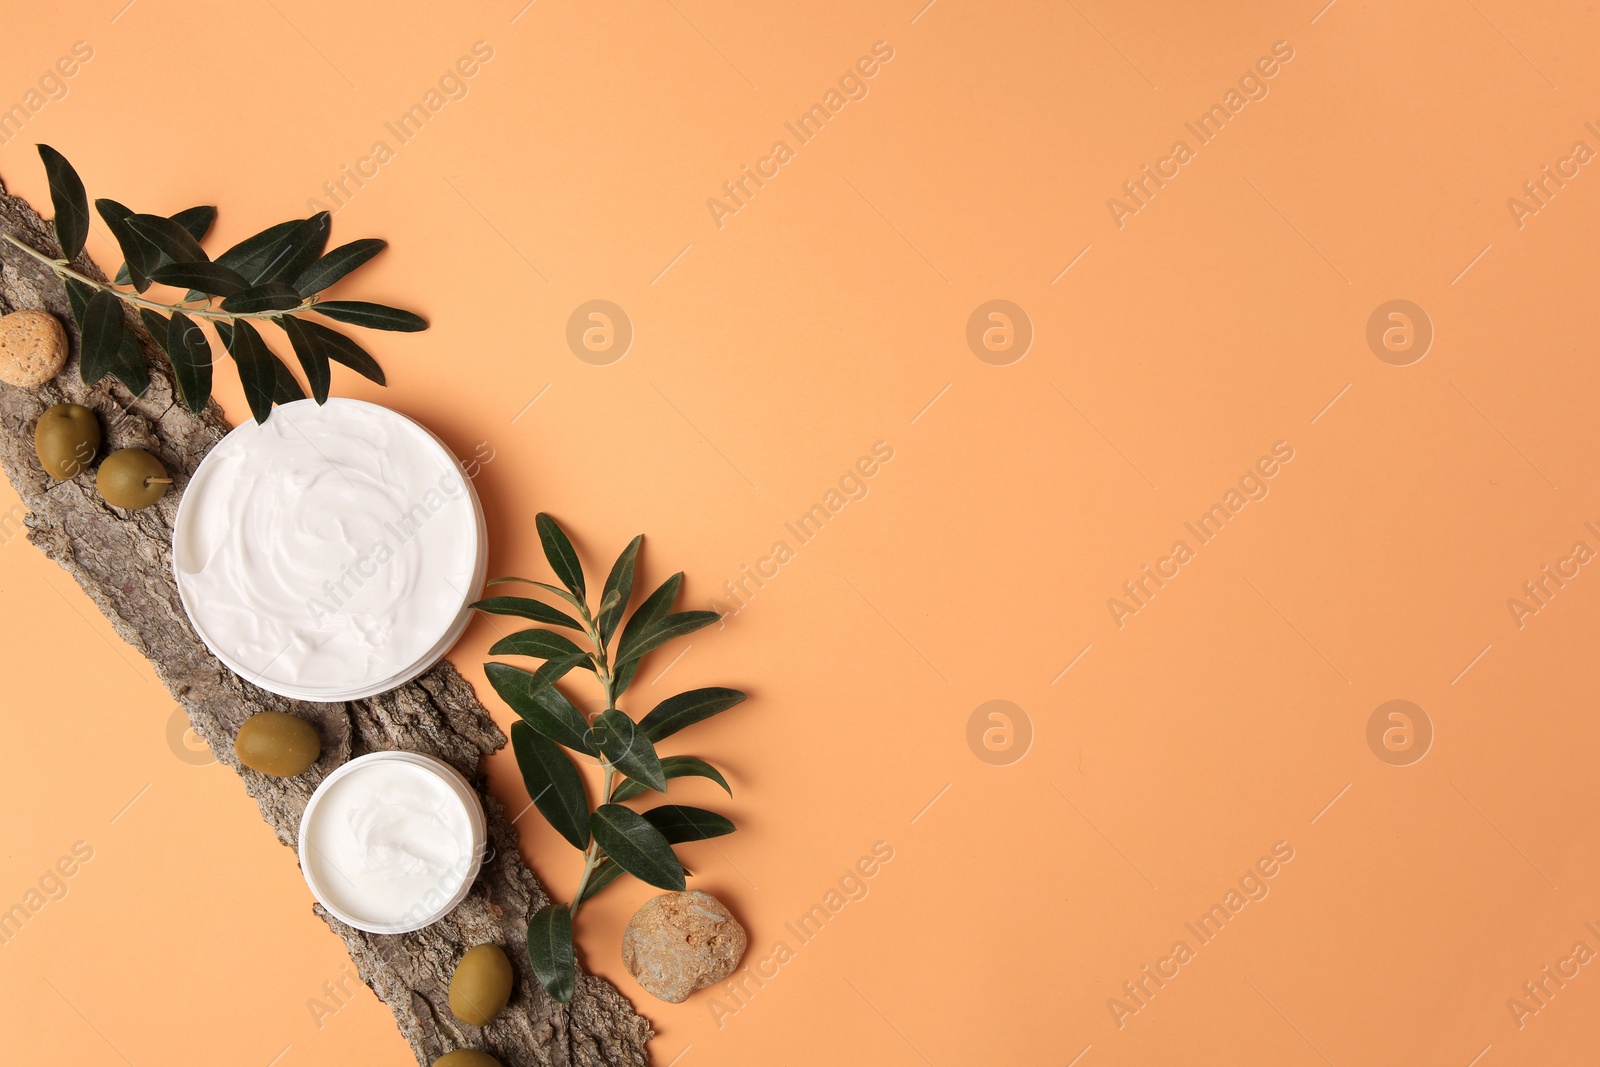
[(122, 560)]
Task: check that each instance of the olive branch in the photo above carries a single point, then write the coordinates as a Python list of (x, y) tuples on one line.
[(614, 839), (275, 276)]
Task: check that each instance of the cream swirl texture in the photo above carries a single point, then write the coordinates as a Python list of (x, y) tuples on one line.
[(327, 548), (389, 842)]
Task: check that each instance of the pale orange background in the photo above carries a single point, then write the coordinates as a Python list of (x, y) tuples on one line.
[(769, 357)]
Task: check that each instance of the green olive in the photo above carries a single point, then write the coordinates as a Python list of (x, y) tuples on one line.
[(481, 985), (466, 1057), (131, 478), (275, 743), (66, 438)]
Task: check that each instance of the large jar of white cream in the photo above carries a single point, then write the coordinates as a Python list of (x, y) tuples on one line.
[(331, 552)]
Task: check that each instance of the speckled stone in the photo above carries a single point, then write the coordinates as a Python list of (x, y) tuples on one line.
[(680, 942), (33, 348)]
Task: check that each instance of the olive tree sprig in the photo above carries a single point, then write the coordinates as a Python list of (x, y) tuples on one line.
[(276, 276), (613, 838)]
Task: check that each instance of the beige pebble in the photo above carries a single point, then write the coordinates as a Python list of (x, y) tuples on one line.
[(680, 942), (33, 348)]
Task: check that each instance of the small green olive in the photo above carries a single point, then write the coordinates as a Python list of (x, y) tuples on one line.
[(66, 438), (466, 1057), (275, 743), (481, 985), (131, 478)]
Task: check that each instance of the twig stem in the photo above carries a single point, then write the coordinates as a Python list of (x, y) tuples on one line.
[(64, 271)]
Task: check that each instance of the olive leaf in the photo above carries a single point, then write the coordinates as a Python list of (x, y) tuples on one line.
[(544, 708), (622, 677), (336, 264), (686, 709), (333, 345), (527, 608), (636, 846), (267, 296), (553, 783), (679, 823), (286, 388), (541, 644), (666, 629), (78, 296), (141, 257), (559, 551), (103, 327), (547, 587), (258, 368), (111, 348), (654, 608), (167, 237), (251, 254), (190, 354), (298, 249), (672, 767), (155, 325), (627, 749), (70, 201), (618, 588), (313, 356), (195, 220), (128, 365), (372, 316), (551, 953), (212, 279), (605, 872), (556, 669)]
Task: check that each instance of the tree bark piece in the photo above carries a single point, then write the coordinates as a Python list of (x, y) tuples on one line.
[(123, 561)]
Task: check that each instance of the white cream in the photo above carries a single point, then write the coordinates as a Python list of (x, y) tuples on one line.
[(329, 551), (390, 842)]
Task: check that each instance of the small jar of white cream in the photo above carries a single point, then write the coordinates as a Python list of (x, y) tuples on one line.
[(392, 841)]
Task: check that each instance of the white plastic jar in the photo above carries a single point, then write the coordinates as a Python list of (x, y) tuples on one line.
[(331, 552), (392, 841)]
